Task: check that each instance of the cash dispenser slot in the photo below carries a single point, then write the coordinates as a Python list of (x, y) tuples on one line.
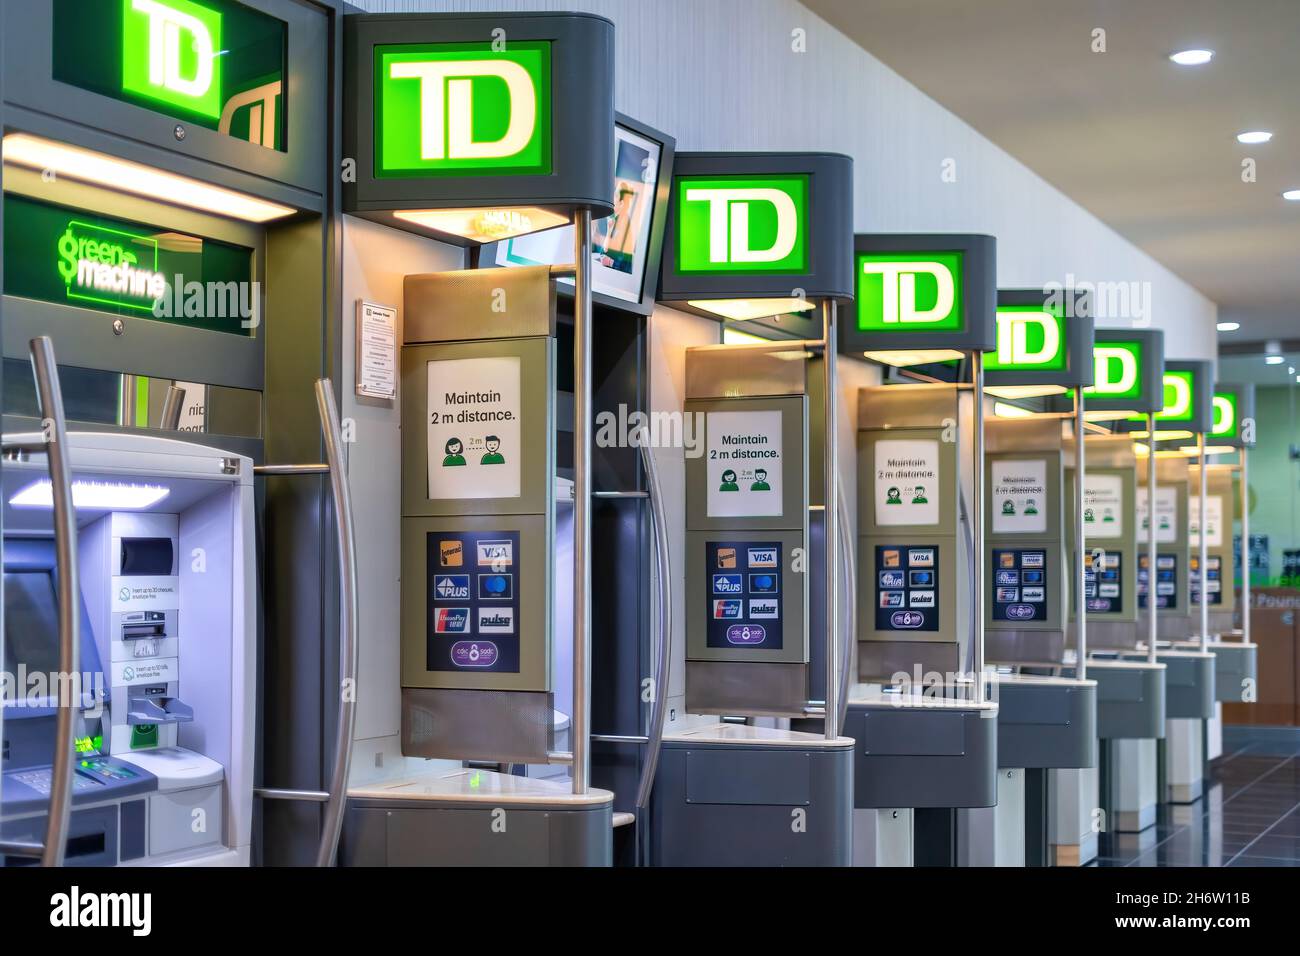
[(152, 705), (143, 625)]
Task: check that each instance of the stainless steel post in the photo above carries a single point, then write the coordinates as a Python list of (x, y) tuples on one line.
[(977, 522), (1152, 546), (581, 498), (1204, 551), (1245, 549), (831, 521), (1081, 545)]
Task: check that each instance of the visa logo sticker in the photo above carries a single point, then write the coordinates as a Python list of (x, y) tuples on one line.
[(762, 557), (451, 587), (764, 610), (496, 554), (727, 584), (726, 610), (496, 620), (451, 620)]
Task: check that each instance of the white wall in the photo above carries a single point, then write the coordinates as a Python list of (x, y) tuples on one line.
[(721, 74)]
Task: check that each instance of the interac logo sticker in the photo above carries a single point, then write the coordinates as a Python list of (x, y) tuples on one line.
[(463, 108), (171, 52), (751, 224), (910, 292)]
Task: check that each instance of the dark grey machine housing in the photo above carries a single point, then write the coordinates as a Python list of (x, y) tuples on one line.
[(1130, 699), (1050, 724), (1202, 420), (830, 225), (1079, 332), (582, 115), (979, 294), (1151, 372)]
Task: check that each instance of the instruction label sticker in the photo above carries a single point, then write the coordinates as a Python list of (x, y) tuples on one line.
[(744, 464), (1213, 522), (376, 357), (907, 482), (146, 593), (1166, 514), (1019, 495), (156, 670), (474, 428), (1103, 513)]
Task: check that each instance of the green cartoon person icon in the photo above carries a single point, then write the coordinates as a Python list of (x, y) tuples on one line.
[(760, 480), (453, 453), (893, 497), (493, 454), (1088, 516), (1164, 522), (1108, 517), (919, 497), (1030, 507), (729, 481), (1008, 507)]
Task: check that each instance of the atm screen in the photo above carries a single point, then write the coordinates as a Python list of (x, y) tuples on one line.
[(31, 622), (1166, 581), (743, 600), (1019, 584)]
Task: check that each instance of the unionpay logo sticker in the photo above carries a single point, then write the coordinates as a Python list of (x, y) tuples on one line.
[(451, 620)]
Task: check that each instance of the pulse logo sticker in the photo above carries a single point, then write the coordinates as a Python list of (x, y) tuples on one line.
[(451, 587), (727, 584), (451, 620), (764, 610), (451, 554), (726, 610), (497, 620)]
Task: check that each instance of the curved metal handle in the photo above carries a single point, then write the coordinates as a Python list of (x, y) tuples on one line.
[(54, 423), (347, 555), (849, 577), (664, 631)]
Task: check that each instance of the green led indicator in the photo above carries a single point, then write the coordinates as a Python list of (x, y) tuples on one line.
[(1030, 338), (463, 109), (742, 224), (171, 52), (910, 292)]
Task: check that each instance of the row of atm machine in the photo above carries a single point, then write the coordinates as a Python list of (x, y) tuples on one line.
[(683, 532)]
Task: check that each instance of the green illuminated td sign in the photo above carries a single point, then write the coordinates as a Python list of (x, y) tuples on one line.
[(1179, 387), (463, 109), (910, 292), (1225, 415), (1029, 337), (1116, 370), (171, 52), (742, 224)]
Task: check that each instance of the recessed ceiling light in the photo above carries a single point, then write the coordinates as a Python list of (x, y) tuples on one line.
[(1273, 360), (1292, 194), (1251, 137), (1228, 326), (1192, 57)]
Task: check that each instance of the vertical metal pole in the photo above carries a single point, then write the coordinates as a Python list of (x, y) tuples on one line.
[(1081, 604), (1152, 546), (1245, 549), (977, 521), (581, 498), (1204, 551), (830, 522)]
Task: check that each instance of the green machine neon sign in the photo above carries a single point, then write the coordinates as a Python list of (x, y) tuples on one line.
[(463, 109), (904, 292), (99, 264), (1030, 338), (171, 52), (742, 224)]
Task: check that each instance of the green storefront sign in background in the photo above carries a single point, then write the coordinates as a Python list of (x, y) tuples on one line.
[(1030, 338), (910, 292), (742, 224), (215, 63), (73, 257), (463, 109)]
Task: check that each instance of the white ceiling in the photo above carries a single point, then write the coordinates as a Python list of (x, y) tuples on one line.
[(1148, 147)]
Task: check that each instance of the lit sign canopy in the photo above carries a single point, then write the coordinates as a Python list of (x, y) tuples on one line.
[(478, 127), (1187, 404), (927, 297), (752, 235), (1234, 415), (1127, 374), (1044, 339)]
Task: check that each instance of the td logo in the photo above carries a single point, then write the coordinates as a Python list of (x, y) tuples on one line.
[(1028, 337), (1178, 396), (1115, 371), (910, 293), (742, 224), (463, 107), (171, 52), (1225, 415)]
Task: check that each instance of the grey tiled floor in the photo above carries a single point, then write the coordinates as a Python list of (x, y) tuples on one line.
[(1249, 815)]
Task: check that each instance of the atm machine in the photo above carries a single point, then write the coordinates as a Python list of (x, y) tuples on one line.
[(925, 730), (737, 786), (1128, 366), (1046, 720), (495, 629), (171, 231)]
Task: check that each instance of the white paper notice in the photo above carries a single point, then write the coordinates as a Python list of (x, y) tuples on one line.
[(1018, 491), (194, 407), (907, 482), (376, 350), (474, 436), (1213, 519), (1103, 514), (1166, 514), (744, 471)]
